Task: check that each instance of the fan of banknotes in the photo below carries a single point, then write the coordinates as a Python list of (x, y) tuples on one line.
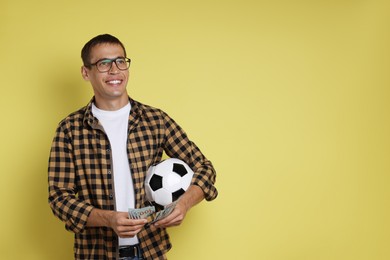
[(150, 212)]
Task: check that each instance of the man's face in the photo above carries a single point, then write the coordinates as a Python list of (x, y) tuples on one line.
[(111, 85)]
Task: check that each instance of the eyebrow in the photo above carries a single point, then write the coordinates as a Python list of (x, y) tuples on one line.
[(111, 59)]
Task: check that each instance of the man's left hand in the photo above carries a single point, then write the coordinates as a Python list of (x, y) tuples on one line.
[(190, 198)]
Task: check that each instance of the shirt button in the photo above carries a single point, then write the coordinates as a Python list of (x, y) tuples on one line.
[(109, 172), (111, 196), (108, 150)]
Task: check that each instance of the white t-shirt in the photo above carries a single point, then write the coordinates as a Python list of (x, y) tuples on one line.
[(115, 124)]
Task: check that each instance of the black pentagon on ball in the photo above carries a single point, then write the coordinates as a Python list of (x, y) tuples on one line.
[(156, 182), (177, 194), (179, 169)]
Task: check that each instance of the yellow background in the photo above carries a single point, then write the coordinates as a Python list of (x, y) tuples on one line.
[(289, 99)]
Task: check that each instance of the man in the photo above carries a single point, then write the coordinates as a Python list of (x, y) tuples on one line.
[(99, 158)]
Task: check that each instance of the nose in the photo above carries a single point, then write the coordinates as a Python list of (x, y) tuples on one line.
[(114, 68)]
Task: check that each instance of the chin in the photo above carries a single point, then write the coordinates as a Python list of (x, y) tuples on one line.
[(119, 94)]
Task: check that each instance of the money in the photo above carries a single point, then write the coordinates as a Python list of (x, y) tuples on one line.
[(149, 212), (141, 213), (165, 212)]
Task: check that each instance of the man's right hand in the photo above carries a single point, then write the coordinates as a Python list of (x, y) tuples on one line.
[(120, 222), (125, 227)]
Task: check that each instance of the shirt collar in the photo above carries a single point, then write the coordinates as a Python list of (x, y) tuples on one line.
[(89, 119)]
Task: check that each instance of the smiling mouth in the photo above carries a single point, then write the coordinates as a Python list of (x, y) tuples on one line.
[(114, 82)]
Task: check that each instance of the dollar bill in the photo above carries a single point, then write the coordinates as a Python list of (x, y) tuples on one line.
[(165, 212), (150, 213), (142, 212)]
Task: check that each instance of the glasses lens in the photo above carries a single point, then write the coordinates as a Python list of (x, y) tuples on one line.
[(122, 63), (104, 65)]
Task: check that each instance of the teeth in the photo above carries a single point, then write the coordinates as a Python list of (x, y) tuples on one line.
[(114, 82)]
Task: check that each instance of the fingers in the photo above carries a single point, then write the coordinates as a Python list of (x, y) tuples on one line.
[(125, 227), (127, 233), (174, 219), (130, 228)]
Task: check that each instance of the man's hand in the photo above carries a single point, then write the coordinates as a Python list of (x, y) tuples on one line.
[(190, 198), (118, 221), (175, 218), (125, 227)]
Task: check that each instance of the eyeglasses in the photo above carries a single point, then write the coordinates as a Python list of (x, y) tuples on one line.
[(105, 65)]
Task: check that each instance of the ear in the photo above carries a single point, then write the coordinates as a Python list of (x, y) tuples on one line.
[(85, 73)]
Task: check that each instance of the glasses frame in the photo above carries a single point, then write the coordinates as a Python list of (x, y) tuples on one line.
[(128, 61)]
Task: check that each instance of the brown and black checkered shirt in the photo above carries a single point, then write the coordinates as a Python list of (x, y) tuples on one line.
[(81, 177)]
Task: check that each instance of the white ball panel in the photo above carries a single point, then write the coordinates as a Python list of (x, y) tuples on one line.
[(163, 197), (171, 180)]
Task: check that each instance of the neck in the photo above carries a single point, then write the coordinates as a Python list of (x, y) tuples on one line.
[(111, 105)]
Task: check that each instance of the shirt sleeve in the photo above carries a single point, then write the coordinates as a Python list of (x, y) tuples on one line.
[(178, 145), (62, 184)]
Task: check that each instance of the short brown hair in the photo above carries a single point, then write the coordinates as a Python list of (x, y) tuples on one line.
[(100, 39)]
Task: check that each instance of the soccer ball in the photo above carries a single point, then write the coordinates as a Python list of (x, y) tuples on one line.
[(167, 181)]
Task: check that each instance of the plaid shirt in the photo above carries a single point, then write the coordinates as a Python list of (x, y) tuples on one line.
[(81, 177)]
